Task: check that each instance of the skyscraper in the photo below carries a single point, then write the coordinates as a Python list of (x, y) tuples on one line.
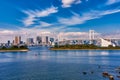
[(30, 41), (17, 40), (51, 40), (8, 43), (38, 39), (47, 41)]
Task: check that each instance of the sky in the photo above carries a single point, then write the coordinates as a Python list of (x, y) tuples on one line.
[(33, 17)]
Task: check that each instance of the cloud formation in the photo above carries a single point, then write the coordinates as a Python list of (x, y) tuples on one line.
[(4, 32), (33, 15), (68, 3), (25, 33), (77, 19), (112, 1), (72, 35), (34, 23), (44, 24)]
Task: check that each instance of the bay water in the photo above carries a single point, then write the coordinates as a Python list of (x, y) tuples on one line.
[(40, 63)]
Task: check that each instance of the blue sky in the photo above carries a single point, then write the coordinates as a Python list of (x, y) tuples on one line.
[(59, 15)]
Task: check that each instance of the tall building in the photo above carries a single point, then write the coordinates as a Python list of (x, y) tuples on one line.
[(51, 40), (8, 43), (39, 40), (30, 41), (17, 40), (47, 41)]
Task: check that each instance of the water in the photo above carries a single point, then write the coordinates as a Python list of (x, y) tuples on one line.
[(43, 64)]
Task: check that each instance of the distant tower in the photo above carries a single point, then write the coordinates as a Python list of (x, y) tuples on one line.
[(17, 40), (91, 35), (30, 41), (39, 40), (47, 41), (8, 42)]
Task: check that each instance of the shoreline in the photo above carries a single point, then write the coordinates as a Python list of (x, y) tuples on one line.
[(22, 50), (84, 49)]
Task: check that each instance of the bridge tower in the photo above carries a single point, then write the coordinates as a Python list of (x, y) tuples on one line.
[(91, 35)]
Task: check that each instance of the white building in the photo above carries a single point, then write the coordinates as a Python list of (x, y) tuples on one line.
[(106, 43)]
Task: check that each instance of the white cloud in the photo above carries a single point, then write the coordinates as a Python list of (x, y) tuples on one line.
[(32, 15), (71, 21), (46, 12), (68, 3), (6, 35), (112, 35), (29, 20), (110, 12), (4, 32), (112, 1), (74, 35), (77, 19), (78, 1), (44, 24)]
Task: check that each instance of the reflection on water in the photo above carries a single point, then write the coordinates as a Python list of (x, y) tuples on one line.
[(105, 53), (42, 64)]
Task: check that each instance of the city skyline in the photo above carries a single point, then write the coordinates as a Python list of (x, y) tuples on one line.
[(59, 36), (65, 16)]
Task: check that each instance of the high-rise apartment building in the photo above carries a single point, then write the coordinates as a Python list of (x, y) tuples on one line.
[(17, 40), (39, 40), (47, 40), (30, 41)]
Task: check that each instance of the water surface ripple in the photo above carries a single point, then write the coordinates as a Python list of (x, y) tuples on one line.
[(42, 64)]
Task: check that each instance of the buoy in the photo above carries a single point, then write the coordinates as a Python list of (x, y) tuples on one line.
[(84, 73), (92, 72), (99, 66)]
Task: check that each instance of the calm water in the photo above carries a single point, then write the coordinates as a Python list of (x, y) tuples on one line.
[(43, 64)]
